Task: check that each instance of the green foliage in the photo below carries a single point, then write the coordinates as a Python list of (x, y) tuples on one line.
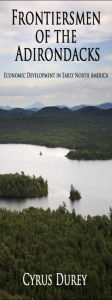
[(89, 154), (6, 296), (22, 186), (46, 242), (90, 130), (74, 194)]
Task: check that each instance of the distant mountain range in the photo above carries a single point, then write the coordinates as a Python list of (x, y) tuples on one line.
[(105, 105), (37, 106), (77, 107), (6, 107), (55, 112)]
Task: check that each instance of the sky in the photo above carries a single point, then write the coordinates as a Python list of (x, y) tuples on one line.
[(62, 91)]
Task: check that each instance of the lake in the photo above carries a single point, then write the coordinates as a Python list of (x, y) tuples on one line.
[(93, 179)]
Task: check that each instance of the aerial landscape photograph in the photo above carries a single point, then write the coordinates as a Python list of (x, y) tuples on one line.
[(55, 150)]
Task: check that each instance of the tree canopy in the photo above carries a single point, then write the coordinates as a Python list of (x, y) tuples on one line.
[(74, 194), (22, 186), (46, 242)]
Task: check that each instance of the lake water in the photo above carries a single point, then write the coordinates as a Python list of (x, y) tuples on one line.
[(92, 178)]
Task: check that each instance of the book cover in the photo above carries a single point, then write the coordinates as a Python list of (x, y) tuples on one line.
[(55, 150)]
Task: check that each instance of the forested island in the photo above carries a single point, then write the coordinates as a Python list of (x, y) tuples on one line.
[(87, 154), (88, 130), (22, 186), (74, 194), (46, 242)]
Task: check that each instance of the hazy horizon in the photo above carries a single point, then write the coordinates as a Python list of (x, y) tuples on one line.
[(34, 105)]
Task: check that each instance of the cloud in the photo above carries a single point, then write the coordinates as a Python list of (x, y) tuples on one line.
[(51, 92), (13, 35), (68, 92), (109, 57)]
